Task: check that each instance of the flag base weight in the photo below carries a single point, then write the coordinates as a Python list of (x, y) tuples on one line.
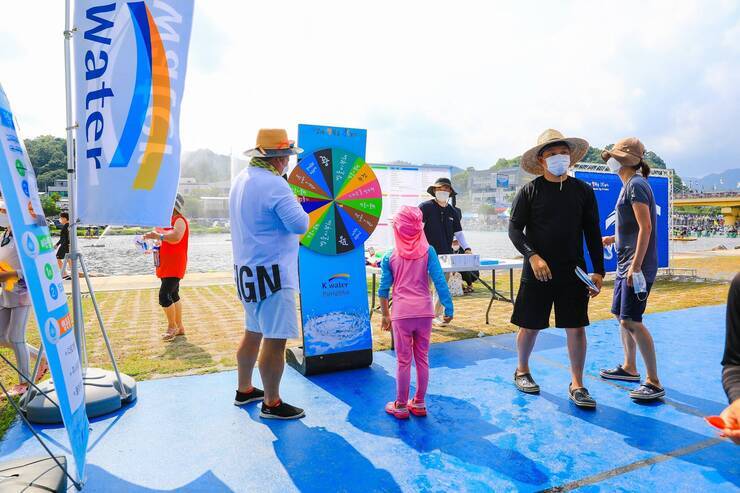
[(325, 363), (102, 396), (35, 474)]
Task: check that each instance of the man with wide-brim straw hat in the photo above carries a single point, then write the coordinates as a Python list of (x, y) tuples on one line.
[(531, 160), (266, 221), (549, 219)]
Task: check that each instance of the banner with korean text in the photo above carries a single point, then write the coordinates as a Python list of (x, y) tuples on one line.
[(43, 280), (129, 70), (607, 187)]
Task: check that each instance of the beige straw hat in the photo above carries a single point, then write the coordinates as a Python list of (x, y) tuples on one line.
[(273, 142), (578, 149)]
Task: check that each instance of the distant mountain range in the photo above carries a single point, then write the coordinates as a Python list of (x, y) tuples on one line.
[(205, 166), (726, 181)]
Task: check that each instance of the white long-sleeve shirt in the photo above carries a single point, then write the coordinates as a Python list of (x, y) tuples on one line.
[(266, 221)]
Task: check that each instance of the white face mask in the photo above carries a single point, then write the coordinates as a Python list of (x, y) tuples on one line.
[(558, 164), (4, 221), (639, 284), (614, 165), (442, 196)]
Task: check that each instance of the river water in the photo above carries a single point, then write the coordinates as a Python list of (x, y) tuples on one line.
[(117, 255)]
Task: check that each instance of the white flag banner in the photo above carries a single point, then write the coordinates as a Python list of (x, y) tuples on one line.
[(129, 71)]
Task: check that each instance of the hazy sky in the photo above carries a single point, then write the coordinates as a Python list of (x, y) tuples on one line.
[(460, 83)]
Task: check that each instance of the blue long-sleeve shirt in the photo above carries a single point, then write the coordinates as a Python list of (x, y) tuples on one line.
[(410, 281)]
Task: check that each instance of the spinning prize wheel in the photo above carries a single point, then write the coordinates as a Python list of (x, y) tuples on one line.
[(342, 197)]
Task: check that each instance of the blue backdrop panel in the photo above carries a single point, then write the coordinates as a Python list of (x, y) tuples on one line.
[(335, 312), (607, 187)]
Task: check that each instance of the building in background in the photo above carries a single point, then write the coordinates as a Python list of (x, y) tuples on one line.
[(493, 188), (215, 207)]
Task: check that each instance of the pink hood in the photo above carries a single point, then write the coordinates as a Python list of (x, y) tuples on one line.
[(408, 229)]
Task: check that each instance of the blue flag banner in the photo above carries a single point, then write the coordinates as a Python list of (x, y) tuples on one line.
[(129, 70), (344, 202), (607, 187), (44, 281)]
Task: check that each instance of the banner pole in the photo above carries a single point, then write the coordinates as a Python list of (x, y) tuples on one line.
[(79, 325)]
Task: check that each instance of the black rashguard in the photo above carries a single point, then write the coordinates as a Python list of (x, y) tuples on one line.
[(550, 220), (731, 359)]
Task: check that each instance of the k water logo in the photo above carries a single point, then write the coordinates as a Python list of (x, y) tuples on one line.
[(336, 285)]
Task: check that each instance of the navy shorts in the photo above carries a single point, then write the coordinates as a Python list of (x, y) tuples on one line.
[(625, 304)]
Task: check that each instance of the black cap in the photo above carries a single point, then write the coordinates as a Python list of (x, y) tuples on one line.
[(440, 182)]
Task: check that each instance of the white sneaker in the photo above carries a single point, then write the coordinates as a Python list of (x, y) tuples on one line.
[(439, 322)]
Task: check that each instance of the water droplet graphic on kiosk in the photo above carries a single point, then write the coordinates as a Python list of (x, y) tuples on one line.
[(52, 330), (53, 291)]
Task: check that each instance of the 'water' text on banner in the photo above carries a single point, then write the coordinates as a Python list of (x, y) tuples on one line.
[(130, 64), (44, 281)]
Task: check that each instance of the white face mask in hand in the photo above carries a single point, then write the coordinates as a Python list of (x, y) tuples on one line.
[(639, 284), (614, 165), (442, 196), (558, 164)]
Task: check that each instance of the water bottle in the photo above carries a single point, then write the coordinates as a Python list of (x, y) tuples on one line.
[(155, 255)]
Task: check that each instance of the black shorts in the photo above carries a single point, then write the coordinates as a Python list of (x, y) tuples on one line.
[(169, 291), (535, 300), (626, 305), (62, 252)]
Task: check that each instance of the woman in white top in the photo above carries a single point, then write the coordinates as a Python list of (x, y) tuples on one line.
[(15, 307)]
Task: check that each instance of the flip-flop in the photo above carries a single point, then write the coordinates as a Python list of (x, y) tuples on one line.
[(169, 336)]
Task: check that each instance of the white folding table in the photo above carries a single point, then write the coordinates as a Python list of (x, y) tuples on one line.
[(503, 264)]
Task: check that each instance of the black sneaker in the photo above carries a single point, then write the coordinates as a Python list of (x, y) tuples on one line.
[(242, 398), (581, 397), (281, 411), (618, 373), (525, 383), (647, 392)]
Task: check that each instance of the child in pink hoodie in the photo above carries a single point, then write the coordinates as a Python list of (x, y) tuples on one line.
[(408, 268)]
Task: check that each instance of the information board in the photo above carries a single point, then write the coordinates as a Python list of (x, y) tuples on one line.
[(402, 185)]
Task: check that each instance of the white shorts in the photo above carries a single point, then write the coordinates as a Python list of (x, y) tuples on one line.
[(274, 317)]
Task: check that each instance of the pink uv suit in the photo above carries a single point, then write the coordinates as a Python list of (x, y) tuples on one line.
[(408, 269)]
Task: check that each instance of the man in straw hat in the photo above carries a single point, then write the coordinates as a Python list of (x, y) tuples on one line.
[(266, 221), (549, 218), (171, 263)]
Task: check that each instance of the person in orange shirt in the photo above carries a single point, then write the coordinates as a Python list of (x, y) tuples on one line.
[(171, 263)]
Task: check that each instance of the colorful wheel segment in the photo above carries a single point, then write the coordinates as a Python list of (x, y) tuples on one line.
[(342, 197)]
